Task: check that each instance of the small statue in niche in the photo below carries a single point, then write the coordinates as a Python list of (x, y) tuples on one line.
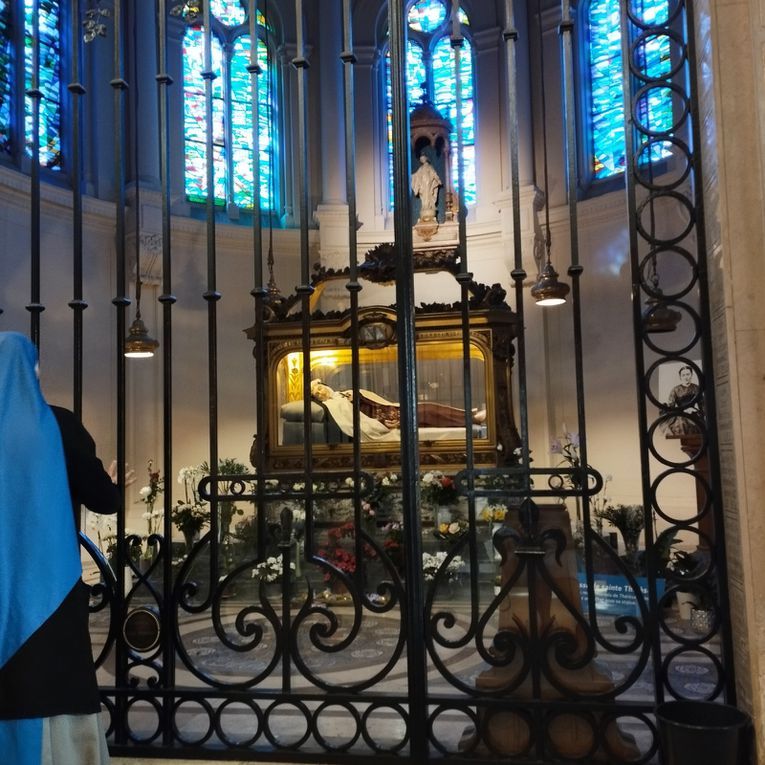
[(425, 184)]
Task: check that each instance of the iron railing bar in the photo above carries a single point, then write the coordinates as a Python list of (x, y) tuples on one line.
[(166, 299), (510, 36), (258, 291), (353, 286), (77, 304), (35, 94), (407, 368), (121, 302)]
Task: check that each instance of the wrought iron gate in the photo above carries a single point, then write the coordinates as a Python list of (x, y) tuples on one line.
[(403, 608)]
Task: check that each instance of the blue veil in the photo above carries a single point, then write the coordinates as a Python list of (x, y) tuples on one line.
[(39, 552)]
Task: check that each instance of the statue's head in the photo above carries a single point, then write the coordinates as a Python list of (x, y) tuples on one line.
[(320, 391)]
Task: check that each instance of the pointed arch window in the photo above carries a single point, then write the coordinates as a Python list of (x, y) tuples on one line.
[(17, 127), (605, 118), (232, 114), (430, 74)]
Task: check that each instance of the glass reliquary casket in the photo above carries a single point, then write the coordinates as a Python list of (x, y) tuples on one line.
[(442, 421)]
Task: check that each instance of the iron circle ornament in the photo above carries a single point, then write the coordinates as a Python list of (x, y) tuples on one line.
[(218, 721), (643, 93), (395, 746), (354, 715), (683, 201), (695, 335), (609, 719), (677, 62), (153, 703), (672, 9), (683, 652), (700, 482), (674, 255), (692, 460), (142, 629), (682, 360), (279, 742), (641, 158), (203, 736)]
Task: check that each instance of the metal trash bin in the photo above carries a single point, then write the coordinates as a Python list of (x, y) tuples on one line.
[(702, 733)]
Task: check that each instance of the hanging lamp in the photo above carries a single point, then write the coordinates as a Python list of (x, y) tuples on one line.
[(547, 290)]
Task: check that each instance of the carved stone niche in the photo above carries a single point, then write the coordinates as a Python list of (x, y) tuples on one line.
[(429, 144)]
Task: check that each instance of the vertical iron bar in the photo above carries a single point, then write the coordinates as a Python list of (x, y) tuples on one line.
[(120, 302), (353, 286), (258, 292), (34, 93), (77, 304), (305, 290), (645, 468), (464, 278), (407, 365), (166, 299), (510, 36), (211, 296), (575, 270)]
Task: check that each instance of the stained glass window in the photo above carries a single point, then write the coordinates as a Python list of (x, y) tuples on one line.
[(430, 72), (606, 127), (232, 112), (49, 18), (6, 69), (17, 128)]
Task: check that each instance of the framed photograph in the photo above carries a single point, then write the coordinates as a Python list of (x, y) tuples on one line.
[(681, 396)]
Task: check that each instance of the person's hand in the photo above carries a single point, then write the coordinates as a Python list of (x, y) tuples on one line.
[(129, 474)]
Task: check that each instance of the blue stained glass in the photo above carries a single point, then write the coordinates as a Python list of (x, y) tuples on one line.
[(194, 111), (427, 15), (241, 124), (445, 100), (232, 110), (605, 65), (228, 12), (49, 136), (431, 17), (6, 75), (416, 74)]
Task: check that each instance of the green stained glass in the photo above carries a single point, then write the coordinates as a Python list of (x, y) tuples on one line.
[(6, 75), (228, 12), (605, 66), (49, 81)]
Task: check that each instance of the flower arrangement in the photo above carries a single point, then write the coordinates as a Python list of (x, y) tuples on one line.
[(451, 531), (628, 519), (382, 501), (105, 530), (432, 564), (227, 508), (270, 570), (567, 446), (148, 495), (393, 543), (190, 514), (340, 550), (436, 488), (494, 513)]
